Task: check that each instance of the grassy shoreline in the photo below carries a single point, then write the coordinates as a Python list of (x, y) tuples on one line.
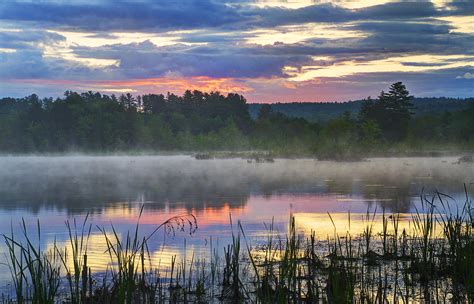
[(223, 154)]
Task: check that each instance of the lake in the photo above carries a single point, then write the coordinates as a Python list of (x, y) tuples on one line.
[(113, 189)]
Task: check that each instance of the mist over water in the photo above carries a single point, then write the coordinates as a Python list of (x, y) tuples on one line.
[(78, 184), (113, 188)]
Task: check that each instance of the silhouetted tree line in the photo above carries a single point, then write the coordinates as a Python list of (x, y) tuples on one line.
[(92, 122), (324, 111)]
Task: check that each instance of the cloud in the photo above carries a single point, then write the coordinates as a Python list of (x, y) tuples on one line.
[(28, 57), (140, 85), (465, 8), (28, 39), (335, 14), (359, 86), (118, 15), (191, 14), (147, 60), (403, 28), (466, 75), (262, 50)]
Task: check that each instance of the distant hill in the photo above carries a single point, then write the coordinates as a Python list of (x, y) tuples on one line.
[(323, 111)]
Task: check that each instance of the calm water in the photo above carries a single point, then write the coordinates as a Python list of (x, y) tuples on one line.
[(113, 189)]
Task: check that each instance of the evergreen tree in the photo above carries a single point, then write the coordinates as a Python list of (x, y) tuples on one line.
[(391, 112)]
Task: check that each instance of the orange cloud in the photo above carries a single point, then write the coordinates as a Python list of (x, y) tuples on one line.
[(146, 85), (178, 84)]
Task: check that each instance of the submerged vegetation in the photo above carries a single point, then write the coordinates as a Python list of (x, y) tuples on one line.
[(197, 121), (432, 262)]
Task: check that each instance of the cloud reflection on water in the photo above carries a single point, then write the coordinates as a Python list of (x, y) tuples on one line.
[(112, 190)]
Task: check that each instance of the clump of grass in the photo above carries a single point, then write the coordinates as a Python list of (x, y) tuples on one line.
[(368, 230), (78, 276), (424, 246), (458, 231), (128, 255), (33, 270), (36, 273), (232, 287), (15, 265)]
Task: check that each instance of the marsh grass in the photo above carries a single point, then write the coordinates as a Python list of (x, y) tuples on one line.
[(433, 262), (78, 276), (35, 273)]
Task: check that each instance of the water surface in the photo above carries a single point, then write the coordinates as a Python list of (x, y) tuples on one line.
[(113, 189)]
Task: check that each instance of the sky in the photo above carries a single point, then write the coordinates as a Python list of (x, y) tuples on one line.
[(269, 51)]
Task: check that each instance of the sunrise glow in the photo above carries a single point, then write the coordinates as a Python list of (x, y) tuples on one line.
[(269, 50)]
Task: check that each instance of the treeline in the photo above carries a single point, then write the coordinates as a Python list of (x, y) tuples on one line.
[(95, 122), (324, 111), (197, 121)]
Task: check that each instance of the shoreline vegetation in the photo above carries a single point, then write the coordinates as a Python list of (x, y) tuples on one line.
[(222, 125), (252, 156), (433, 262)]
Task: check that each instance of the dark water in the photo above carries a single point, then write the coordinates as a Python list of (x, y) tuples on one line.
[(113, 189)]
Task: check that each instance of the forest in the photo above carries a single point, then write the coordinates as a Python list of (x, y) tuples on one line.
[(324, 111), (197, 121)]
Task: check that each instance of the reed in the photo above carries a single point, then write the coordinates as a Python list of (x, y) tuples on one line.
[(33, 270), (15, 265), (78, 276)]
